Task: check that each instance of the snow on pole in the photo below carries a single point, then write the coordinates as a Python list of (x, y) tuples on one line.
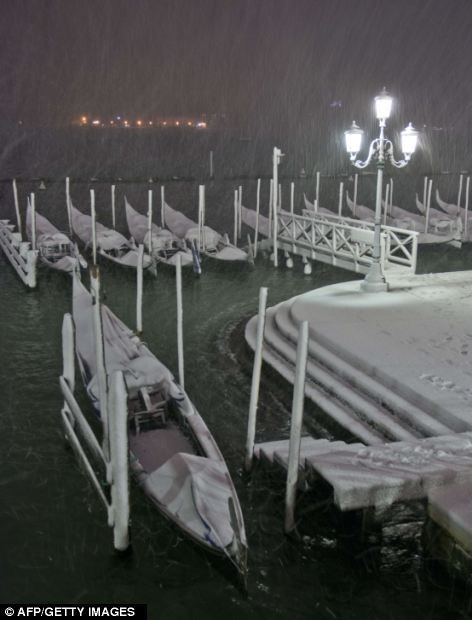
[(68, 204), (17, 208), (425, 191), (459, 193), (240, 203), (150, 221), (466, 208), (33, 221), (163, 207), (386, 203), (256, 379), (271, 193), (201, 219), (100, 357), (212, 173), (356, 178), (119, 461), (391, 197), (340, 201), (139, 290), (292, 197), (279, 206), (235, 231), (276, 159), (317, 193), (296, 427), (113, 215), (68, 364), (180, 335), (428, 204), (94, 227), (258, 206)]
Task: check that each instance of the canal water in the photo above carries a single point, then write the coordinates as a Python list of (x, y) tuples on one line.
[(55, 545)]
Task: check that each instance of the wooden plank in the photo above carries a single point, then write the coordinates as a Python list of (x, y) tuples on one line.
[(399, 471)]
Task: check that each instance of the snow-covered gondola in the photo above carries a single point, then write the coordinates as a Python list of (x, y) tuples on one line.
[(110, 243), (55, 248), (162, 244), (173, 455), (209, 242)]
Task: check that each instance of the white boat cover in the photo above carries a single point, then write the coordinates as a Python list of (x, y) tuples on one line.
[(107, 238), (165, 245), (249, 217), (194, 491), (123, 350), (212, 243), (138, 225), (55, 248)]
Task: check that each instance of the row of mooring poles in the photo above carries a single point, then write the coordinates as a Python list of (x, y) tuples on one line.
[(297, 408)]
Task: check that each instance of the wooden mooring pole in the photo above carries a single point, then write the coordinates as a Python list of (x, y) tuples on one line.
[(296, 427), (256, 379)]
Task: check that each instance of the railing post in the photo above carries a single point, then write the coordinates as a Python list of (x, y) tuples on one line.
[(258, 206), (180, 335)]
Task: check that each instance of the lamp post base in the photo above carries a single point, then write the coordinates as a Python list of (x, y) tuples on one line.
[(374, 282)]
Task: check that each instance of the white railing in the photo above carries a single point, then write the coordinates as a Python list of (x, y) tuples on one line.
[(346, 242), (22, 258)]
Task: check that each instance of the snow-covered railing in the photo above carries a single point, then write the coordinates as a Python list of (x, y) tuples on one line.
[(112, 457), (346, 242), (22, 258)]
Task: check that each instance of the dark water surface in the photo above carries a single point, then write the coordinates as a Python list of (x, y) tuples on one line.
[(55, 545)]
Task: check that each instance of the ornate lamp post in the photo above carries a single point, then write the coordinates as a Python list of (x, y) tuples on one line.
[(381, 149)]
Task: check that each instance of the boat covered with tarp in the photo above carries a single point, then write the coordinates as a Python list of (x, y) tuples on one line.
[(55, 248), (173, 455), (208, 241), (110, 243), (163, 245)]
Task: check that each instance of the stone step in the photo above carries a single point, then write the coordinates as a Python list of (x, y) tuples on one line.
[(420, 420), (339, 412), (337, 389)]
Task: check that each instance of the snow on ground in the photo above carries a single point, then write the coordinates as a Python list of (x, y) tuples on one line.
[(415, 338)]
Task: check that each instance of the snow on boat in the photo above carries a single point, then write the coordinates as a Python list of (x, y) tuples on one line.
[(55, 248), (110, 243), (208, 240), (165, 245), (173, 455), (249, 217), (451, 209)]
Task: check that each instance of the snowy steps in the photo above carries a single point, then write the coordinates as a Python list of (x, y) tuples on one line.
[(377, 476), (370, 412), (451, 508)]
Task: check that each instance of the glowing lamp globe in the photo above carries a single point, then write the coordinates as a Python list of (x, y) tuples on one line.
[(409, 140), (353, 138), (383, 105)]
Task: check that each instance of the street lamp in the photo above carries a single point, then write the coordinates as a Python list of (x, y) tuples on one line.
[(381, 149)]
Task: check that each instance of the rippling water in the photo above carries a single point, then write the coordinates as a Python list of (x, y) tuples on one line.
[(55, 545)]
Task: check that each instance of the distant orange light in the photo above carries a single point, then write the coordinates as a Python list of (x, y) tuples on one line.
[(189, 123), (112, 122), (177, 123), (150, 122), (139, 123), (164, 123), (96, 122), (83, 120)]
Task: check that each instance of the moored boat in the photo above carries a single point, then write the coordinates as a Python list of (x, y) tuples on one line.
[(208, 241), (164, 246), (111, 244), (55, 249), (173, 455)]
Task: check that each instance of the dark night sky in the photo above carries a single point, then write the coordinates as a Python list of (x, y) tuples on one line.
[(282, 61)]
